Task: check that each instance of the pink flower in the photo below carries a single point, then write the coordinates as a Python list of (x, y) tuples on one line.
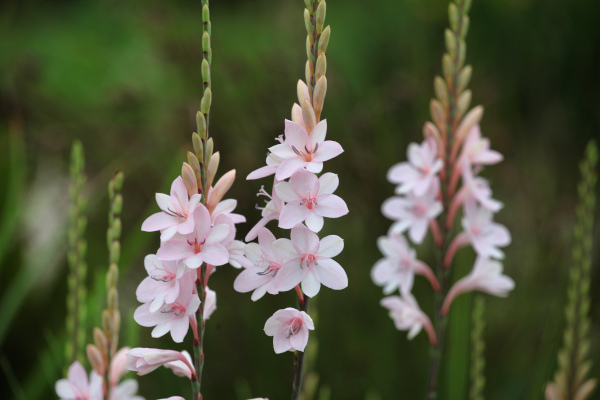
[(180, 368), (270, 211), (398, 268), (201, 245), (211, 303), (176, 214), (144, 360), (413, 213), (486, 276), (273, 162), (301, 150), (118, 366), (173, 317), (289, 328), (126, 390), (235, 248), (163, 282), (408, 316), (77, 387), (476, 150), (309, 262), (266, 262), (419, 173), (309, 199), (226, 207)]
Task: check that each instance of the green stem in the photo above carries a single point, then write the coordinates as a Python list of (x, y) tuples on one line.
[(299, 359)]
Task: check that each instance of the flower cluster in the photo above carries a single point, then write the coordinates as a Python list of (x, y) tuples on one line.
[(300, 201), (415, 210)]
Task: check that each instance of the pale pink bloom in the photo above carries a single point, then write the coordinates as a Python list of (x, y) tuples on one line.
[(126, 390), (486, 276), (309, 199), (273, 162), (408, 316), (173, 317), (484, 235), (476, 150), (211, 303), (176, 214), (118, 366), (420, 172), (78, 387), (266, 260), (398, 268), (226, 207), (289, 328), (180, 368), (270, 211), (302, 150), (144, 360), (413, 213), (235, 248), (201, 245), (309, 262), (163, 282)]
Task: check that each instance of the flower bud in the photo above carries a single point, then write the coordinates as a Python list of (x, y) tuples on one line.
[(321, 68), (96, 359), (462, 104), (209, 149), (189, 179), (116, 324), (206, 101), (205, 13), (195, 164), (309, 72), (117, 204), (465, 26), (113, 298), (302, 90), (115, 251), (450, 42), (431, 132), (308, 116), (211, 171), (115, 229), (463, 78), (307, 24), (100, 341), (107, 323), (319, 96), (118, 180), (453, 16), (220, 189), (205, 72), (320, 17), (197, 143), (309, 46), (438, 115), (324, 40), (462, 53), (201, 125), (206, 42), (471, 119), (441, 90), (308, 4), (297, 114), (448, 69)]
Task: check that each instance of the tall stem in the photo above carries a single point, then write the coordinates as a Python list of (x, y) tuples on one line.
[(299, 359)]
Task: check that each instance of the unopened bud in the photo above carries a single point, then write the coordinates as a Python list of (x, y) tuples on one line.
[(450, 42), (462, 53), (448, 69), (206, 42), (220, 189), (113, 298), (324, 40), (115, 252), (302, 90), (112, 276), (117, 204), (96, 359), (100, 341), (209, 149), (308, 4), (115, 230), (297, 114), (307, 24), (309, 72), (201, 125), (195, 164), (308, 116), (320, 17), (197, 143), (464, 28), (211, 171), (309, 45), (319, 96), (118, 180), (205, 13), (107, 323), (463, 78), (189, 179), (462, 105), (441, 90), (321, 68), (438, 114), (116, 325), (206, 101), (453, 16), (471, 119), (205, 72)]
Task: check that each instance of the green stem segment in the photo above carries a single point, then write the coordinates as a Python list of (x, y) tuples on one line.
[(299, 359)]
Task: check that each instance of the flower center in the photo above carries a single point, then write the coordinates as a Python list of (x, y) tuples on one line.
[(295, 326), (419, 210), (197, 245), (307, 154), (271, 269), (162, 275), (174, 308), (174, 213), (310, 202), (308, 259)]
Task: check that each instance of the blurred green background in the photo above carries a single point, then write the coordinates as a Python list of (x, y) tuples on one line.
[(124, 78)]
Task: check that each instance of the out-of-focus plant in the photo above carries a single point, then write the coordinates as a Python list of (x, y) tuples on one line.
[(439, 179), (571, 378), (477, 350)]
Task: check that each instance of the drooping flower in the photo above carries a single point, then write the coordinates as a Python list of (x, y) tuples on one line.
[(126, 390), (176, 214), (309, 262), (144, 360), (486, 276), (289, 328), (163, 282), (173, 317), (301, 150), (485, 235), (201, 245), (399, 266), (408, 316), (420, 172), (413, 213), (309, 199), (78, 387), (266, 260), (270, 211), (180, 368)]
